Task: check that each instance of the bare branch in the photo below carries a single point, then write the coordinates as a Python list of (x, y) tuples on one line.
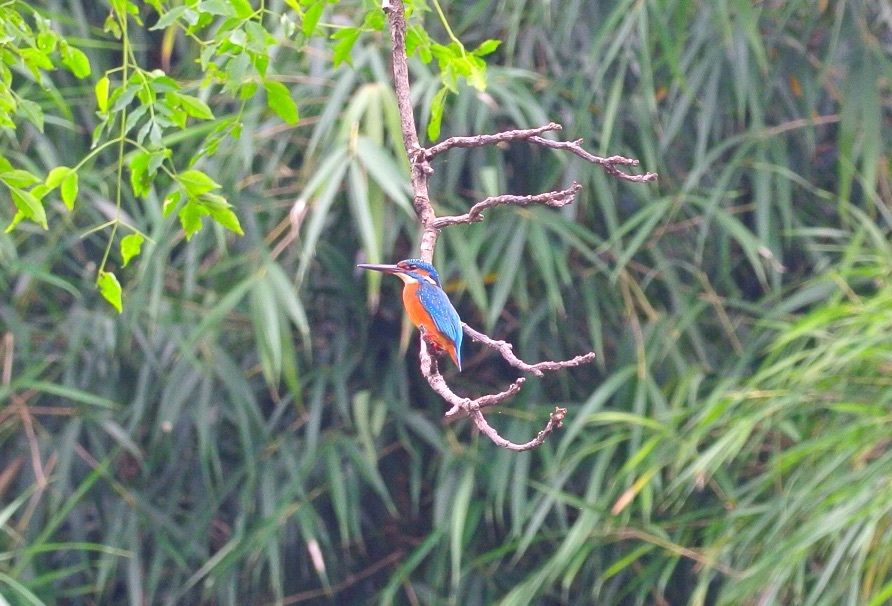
[(507, 352), (419, 162), (608, 164), (554, 199), (472, 407), (431, 371), (484, 140), (555, 420)]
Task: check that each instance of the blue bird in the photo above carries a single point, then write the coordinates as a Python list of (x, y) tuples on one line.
[(427, 305)]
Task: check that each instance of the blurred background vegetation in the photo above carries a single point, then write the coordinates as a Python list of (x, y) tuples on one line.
[(253, 429)]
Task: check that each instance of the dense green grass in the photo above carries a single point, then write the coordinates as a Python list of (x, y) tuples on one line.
[(254, 429)]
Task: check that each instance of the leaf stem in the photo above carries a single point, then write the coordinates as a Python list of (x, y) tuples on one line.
[(122, 141), (448, 29)]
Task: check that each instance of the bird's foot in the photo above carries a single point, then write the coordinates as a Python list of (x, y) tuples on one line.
[(432, 346)]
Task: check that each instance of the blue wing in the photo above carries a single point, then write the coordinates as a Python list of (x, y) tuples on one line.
[(442, 312)]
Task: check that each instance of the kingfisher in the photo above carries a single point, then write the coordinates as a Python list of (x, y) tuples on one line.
[(427, 305)]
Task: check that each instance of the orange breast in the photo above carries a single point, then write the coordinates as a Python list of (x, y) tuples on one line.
[(420, 317), (417, 313)]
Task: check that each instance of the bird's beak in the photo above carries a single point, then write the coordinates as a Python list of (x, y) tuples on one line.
[(388, 269)]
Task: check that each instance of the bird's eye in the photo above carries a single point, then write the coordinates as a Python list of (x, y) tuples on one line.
[(412, 266)]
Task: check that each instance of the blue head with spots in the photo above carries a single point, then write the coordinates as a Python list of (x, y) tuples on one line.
[(419, 270)]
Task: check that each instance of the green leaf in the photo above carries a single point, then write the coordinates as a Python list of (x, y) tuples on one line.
[(111, 26), (247, 90), (474, 70), (195, 107), (217, 7), (15, 221), (459, 509), (34, 60), (220, 211), (259, 40), (190, 218), (311, 18), (418, 39), (385, 171), (236, 72), (32, 112), (169, 17), (346, 39), (75, 60), (170, 202), (158, 159), (445, 54), (29, 206), (362, 212), (161, 83), (487, 47), (438, 104), (238, 38), (110, 289), (57, 175), (122, 97), (46, 41), (195, 182), (139, 174), (39, 191), (278, 98), (101, 91), (69, 190), (130, 247), (18, 178), (18, 592), (374, 20), (228, 219), (243, 8)]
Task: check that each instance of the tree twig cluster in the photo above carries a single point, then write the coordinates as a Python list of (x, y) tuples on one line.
[(419, 160)]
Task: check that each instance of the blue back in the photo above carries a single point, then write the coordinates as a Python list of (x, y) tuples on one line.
[(435, 301), (443, 313)]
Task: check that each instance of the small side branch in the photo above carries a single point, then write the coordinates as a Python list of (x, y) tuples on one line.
[(472, 407), (608, 164), (554, 199), (507, 352), (555, 420), (431, 371), (484, 140)]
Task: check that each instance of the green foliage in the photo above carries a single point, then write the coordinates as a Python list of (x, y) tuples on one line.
[(252, 428), (30, 45), (139, 110), (454, 62)]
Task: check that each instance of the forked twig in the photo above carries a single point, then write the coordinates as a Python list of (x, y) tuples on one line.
[(608, 164), (472, 407), (419, 162), (483, 140), (555, 199), (507, 352)]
